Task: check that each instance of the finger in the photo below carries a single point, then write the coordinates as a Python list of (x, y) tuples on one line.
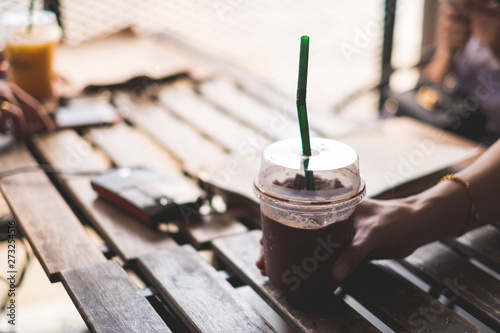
[(36, 115), (261, 262), (261, 265), (13, 112), (349, 259)]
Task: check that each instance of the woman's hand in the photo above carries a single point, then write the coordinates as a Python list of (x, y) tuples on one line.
[(24, 111), (384, 229), (393, 229), (453, 26)]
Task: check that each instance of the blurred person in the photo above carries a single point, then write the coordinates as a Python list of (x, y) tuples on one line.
[(467, 58)]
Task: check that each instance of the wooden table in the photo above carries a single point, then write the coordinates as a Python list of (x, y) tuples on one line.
[(209, 129)]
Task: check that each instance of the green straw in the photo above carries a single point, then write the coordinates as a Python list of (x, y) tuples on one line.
[(32, 5), (302, 109)]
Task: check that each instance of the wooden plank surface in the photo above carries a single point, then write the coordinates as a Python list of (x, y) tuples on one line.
[(202, 229), (227, 131), (5, 212), (321, 121), (56, 235), (108, 301), (128, 147), (240, 252), (185, 142), (400, 304), (226, 95), (474, 290), (232, 174), (199, 296), (125, 234), (482, 244)]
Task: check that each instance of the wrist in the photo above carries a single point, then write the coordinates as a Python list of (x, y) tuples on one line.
[(445, 208)]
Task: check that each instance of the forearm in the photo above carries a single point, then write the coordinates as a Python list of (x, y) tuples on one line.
[(447, 205), (439, 67)]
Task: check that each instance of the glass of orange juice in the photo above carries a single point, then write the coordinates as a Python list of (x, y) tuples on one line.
[(30, 50)]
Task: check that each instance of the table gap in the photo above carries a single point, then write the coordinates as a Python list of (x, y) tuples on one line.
[(374, 320), (473, 320)]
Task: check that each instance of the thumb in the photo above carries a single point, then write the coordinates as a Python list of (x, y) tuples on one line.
[(348, 260)]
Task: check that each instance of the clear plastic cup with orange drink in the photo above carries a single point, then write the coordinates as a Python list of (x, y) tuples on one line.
[(30, 50)]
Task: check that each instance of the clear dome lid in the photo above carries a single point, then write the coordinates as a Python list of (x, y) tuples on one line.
[(333, 166), (14, 27)]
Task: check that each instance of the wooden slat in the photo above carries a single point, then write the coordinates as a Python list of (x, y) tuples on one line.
[(261, 117), (55, 233), (482, 244), (400, 304), (230, 133), (475, 290), (5, 212), (108, 301), (232, 174), (203, 300), (186, 143), (126, 235), (203, 229), (320, 121), (127, 147), (240, 252)]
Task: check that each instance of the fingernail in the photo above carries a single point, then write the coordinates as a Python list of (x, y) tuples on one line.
[(340, 272)]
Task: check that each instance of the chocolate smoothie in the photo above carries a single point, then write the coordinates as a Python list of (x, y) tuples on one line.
[(299, 250), (299, 260)]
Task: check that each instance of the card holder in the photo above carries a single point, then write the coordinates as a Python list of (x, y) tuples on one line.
[(150, 196)]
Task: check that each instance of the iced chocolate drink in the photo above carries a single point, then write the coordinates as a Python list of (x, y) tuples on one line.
[(304, 230)]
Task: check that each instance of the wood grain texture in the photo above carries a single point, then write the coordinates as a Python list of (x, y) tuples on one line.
[(236, 103), (127, 147), (400, 304), (108, 301), (54, 232), (5, 212), (125, 234), (240, 252), (201, 298), (227, 131), (202, 229), (320, 121), (474, 290), (232, 174), (195, 152), (482, 244)]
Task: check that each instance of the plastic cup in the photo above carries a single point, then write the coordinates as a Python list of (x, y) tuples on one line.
[(304, 231), (30, 52)]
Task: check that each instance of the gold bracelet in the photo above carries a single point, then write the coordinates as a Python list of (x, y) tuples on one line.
[(473, 215)]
